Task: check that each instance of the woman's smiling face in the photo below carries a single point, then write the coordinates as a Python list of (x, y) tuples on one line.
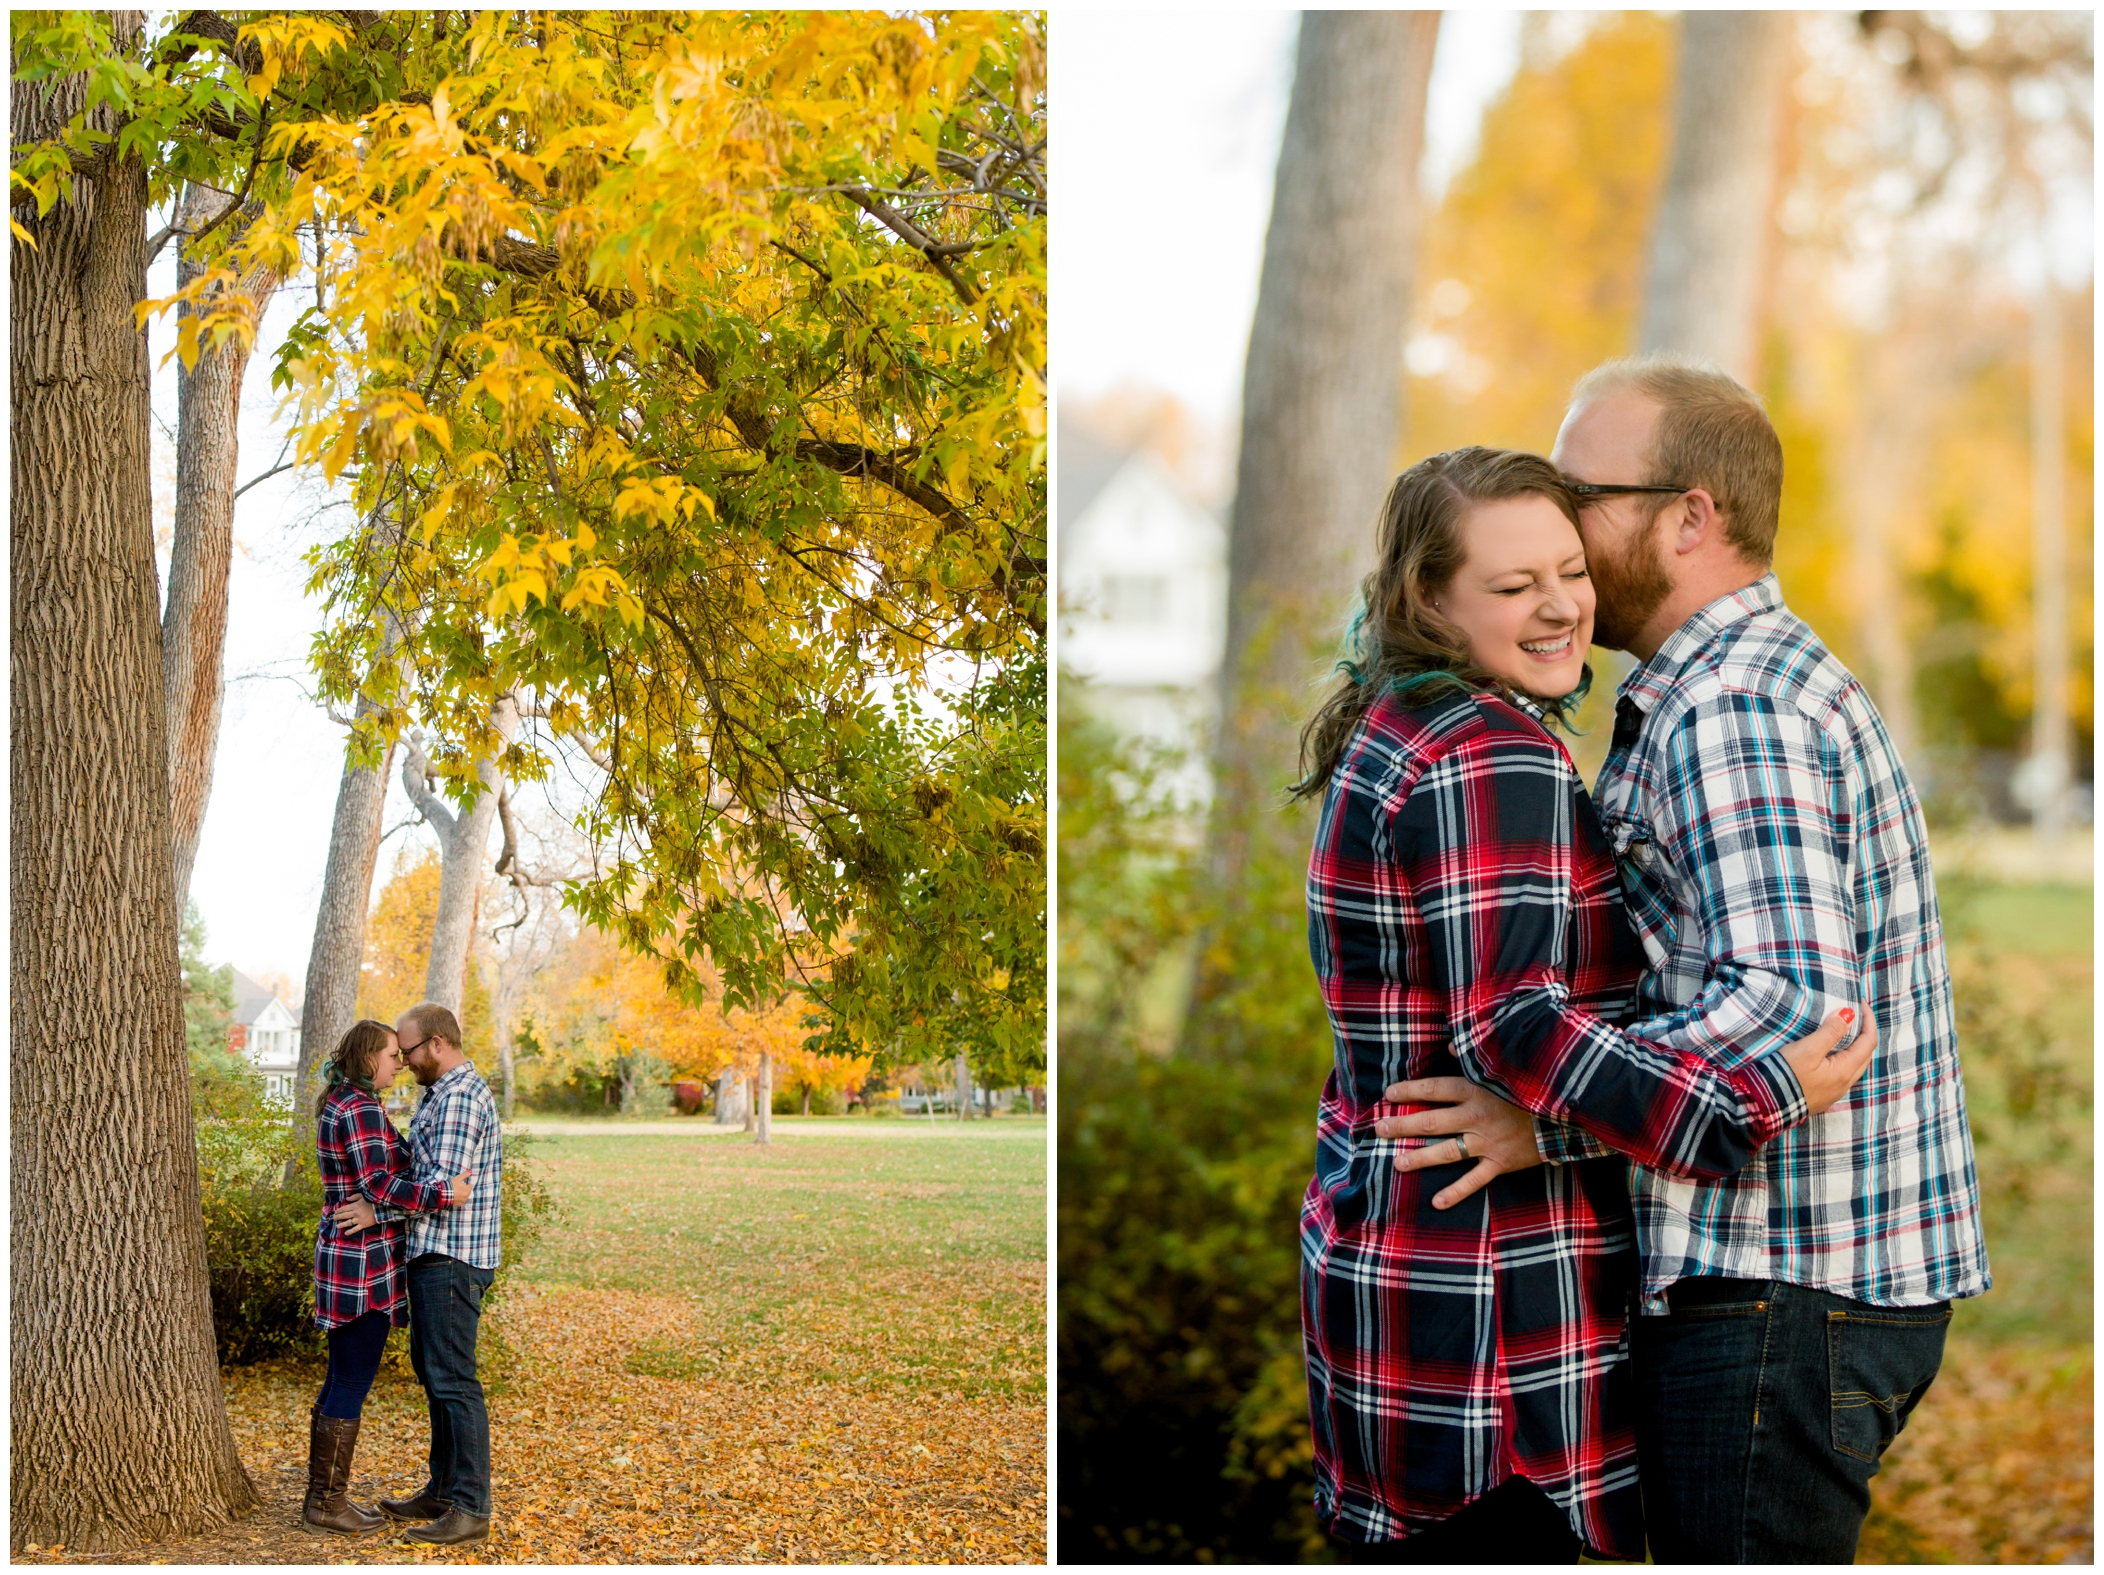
[(1523, 597), (387, 1063)]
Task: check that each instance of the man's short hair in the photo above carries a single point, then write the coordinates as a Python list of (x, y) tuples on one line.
[(1713, 433), (429, 1020)]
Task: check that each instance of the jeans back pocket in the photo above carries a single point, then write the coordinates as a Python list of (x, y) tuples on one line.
[(1880, 1362)]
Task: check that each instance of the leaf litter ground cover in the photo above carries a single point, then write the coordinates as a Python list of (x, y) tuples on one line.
[(1996, 1464), (827, 1350)]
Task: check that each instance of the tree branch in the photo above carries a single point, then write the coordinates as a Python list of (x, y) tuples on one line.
[(906, 231), (508, 861), (416, 772)]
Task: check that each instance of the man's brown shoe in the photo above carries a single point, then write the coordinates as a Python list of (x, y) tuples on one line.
[(421, 1507), (455, 1525)]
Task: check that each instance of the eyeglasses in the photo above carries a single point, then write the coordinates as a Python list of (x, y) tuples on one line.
[(1595, 489), (412, 1049)]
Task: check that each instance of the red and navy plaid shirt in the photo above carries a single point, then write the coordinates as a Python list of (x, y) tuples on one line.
[(1465, 917), (363, 1156)]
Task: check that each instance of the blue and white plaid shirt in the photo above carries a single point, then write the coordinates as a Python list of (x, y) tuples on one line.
[(455, 1127), (1776, 866)]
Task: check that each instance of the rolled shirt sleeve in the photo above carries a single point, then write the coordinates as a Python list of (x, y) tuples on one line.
[(1754, 827)]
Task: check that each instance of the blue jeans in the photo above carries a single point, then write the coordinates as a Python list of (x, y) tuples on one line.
[(445, 1314), (355, 1349), (1762, 1411)]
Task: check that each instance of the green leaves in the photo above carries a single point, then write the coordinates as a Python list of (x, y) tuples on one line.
[(657, 429), (688, 371)]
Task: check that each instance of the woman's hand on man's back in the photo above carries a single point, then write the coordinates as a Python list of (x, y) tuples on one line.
[(1823, 1072)]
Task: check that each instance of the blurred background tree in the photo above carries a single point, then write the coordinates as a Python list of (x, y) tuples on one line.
[(1867, 217)]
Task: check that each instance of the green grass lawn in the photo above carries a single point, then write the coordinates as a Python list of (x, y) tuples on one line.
[(919, 1248)]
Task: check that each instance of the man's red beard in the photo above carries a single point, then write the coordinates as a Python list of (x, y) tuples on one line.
[(1629, 587)]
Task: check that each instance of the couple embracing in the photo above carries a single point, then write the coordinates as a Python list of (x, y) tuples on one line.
[(1643, 1183), (409, 1234)]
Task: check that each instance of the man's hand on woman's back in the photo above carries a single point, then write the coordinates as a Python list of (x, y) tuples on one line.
[(1497, 1135)]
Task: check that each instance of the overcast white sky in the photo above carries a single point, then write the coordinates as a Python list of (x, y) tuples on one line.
[(1167, 126)]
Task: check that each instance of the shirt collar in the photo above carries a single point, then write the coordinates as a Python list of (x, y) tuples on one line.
[(1527, 703), (1643, 687), (453, 1076)]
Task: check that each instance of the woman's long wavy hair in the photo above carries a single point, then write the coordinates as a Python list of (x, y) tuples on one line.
[(353, 1061), (1397, 642)]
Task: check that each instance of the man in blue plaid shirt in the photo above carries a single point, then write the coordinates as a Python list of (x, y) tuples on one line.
[(1776, 866), (453, 1256)]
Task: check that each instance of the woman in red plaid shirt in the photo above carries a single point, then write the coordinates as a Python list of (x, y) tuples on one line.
[(1466, 1333), (358, 1291)]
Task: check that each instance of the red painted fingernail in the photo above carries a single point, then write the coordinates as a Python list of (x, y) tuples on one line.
[(1848, 1014)]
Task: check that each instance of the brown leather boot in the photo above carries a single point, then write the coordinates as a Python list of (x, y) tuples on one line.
[(331, 1440)]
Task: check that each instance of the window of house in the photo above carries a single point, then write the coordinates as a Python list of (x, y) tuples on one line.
[(1135, 598)]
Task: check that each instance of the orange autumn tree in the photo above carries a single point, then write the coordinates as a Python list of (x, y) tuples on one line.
[(601, 1012)]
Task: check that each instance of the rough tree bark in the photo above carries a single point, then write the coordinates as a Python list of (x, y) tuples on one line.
[(1708, 254), (193, 626), (463, 840), (119, 1428), (338, 952), (1321, 391)]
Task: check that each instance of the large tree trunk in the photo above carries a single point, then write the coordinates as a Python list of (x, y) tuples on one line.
[(1897, 369), (961, 1075), (463, 842), (193, 627), (1321, 422), (730, 1100), (119, 1428), (2049, 662), (1708, 254), (1320, 396), (504, 976), (338, 952), (763, 1100)]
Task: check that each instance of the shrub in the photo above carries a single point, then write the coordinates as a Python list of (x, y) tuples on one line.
[(261, 1191), (1183, 1400)]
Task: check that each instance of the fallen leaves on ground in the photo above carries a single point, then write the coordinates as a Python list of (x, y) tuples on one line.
[(1995, 1466), (846, 1368)]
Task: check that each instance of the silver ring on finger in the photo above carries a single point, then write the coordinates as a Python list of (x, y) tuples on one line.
[(1461, 1144)]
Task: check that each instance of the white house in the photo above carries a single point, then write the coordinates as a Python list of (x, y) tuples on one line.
[(1143, 593), (268, 1032)]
